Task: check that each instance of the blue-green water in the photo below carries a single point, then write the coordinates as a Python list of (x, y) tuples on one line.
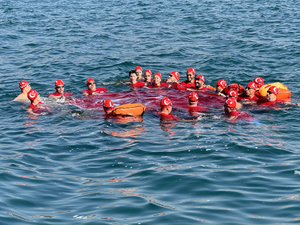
[(62, 169)]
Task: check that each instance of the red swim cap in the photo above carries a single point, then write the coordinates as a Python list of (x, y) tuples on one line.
[(274, 90), (222, 83), (175, 74), (165, 102), (107, 103), (158, 74), (58, 83), (138, 68), (32, 95), (200, 77), (89, 80), (252, 85), (191, 70), (230, 102), (23, 84), (148, 71), (259, 81), (233, 94), (193, 97)]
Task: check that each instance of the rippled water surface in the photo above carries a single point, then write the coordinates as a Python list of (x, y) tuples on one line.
[(75, 167)]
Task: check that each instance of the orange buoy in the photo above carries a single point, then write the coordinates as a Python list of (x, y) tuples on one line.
[(135, 109), (283, 91)]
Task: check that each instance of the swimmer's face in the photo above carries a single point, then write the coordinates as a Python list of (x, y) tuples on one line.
[(249, 91), (271, 96), (228, 109), (60, 89), (38, 98), (199, 83), (147, 77), (171, 79), (156, 80), (139, 74), (132, 78), (190, 76), (219, 89), (92, 86)]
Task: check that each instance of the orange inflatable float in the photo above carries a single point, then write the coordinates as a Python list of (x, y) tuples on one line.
[(283, 91), (129, 110)]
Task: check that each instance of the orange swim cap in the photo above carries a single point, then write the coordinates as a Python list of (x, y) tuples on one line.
[(58, 83), (193, 97), (165, 102), (230, 103), (32, 94), (23, 84)]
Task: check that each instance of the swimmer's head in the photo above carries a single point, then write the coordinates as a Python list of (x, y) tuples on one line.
[(32, 95), (259, 82), (230, 103), (165, 103), (23, 84), (173, 77), (190, 74), (273, 90), (139, 72), (190, 70), (158, 74), (193, 97), (222, 83), (90, 82), (251, 85), (147, 76), (233, 94), (200, 77), (108, 105), (59, 83)]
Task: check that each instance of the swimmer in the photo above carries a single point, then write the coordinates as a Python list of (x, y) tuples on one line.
[(234, 94), (271, 97), (25, 87), (173, 78), (147, 77), (259, 82), (193, 104), (190, 74), (166, 109), (249, 93), (108, 106), (220, 86), (92, 89), (133, 79), (156, 81), (231, 111), (139, 72), (199, 84), (36, 106), (59, 93), (237, 87)]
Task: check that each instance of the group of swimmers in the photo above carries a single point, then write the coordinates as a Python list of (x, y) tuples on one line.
[(233, 94)]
